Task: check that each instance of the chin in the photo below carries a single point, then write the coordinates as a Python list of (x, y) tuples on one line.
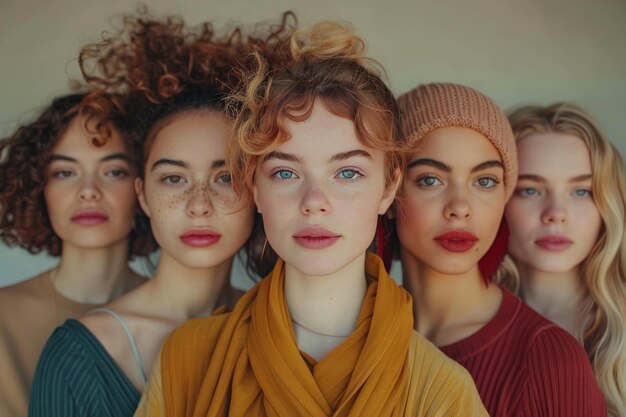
[(317, 266)]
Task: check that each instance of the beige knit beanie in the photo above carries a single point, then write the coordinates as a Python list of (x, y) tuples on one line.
[(432, 106)]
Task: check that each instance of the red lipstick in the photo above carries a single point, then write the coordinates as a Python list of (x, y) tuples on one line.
[(89, 217), (553, 242), (457, 241), (315, 238), (200, 238)]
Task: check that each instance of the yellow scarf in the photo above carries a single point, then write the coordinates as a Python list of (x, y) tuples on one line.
[(250, 365)]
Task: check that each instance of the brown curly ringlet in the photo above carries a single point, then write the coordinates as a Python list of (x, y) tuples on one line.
[(164, 67), (24, 156)]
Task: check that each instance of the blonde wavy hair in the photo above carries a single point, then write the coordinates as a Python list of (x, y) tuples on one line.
[(601, 326), (326, 63)]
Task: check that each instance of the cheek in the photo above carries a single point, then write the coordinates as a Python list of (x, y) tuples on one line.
[(588, 221)]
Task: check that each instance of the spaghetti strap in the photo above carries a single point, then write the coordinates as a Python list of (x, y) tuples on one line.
[(131, 339)]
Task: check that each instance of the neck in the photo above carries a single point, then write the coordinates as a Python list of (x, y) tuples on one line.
[(327, 305), (557, 296), (177, 292), (94, 276), (448, 308)]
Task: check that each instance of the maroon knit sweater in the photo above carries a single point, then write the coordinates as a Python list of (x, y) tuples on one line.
[(525, 365)]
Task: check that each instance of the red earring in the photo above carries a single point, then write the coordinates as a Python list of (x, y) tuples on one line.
[(489, 263)]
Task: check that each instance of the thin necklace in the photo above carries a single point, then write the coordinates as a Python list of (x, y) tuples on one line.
[(319, 333)]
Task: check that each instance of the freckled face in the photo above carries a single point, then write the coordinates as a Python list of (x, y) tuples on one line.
[(552, 217), (320, 194), (452, 200), (89, 191), (195, 215)]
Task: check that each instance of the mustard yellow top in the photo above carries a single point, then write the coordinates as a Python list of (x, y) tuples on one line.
[(247, 363)]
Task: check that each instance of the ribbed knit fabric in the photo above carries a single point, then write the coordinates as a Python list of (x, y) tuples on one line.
[(525, 365), (75, 376), (433, 106)]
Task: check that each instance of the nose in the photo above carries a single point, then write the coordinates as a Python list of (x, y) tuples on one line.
[(554, 212), (199, 203), (89, 191), (458, 206), (314, 200)]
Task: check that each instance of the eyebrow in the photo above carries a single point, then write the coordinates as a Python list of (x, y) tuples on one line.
[(218, 163), (351, 154), (281, 155), (113, 156), (537, 178), (446, 168), (431, 163), (165, 161), (487, 165), (342, 156)]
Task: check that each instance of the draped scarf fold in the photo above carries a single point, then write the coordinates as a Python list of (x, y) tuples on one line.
[(256, 368)]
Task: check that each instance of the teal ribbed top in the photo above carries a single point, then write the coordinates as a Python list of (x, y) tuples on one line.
[(76, 376)]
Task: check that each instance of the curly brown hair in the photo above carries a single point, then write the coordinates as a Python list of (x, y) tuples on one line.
[(164, 67), (25, 154)]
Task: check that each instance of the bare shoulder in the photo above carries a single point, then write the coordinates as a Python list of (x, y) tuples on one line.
[(22, 293)]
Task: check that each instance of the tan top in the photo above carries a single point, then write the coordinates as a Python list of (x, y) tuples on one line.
[(29, 313)]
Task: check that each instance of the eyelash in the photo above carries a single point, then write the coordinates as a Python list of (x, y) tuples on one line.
[(488, 177), (419, 180), (357, 174), (168, 180), (219, 178)]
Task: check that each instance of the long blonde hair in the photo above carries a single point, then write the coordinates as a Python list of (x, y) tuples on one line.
[(601, 326)]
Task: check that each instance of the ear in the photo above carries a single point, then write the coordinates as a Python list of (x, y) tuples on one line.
[(390, 193), (141, 196)]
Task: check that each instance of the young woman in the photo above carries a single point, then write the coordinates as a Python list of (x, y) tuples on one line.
[(66, 188), (449, 213), (567, 220), (327, 332), (97, 366)]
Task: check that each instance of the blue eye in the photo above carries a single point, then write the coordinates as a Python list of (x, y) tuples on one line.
[(527, 192), (582, 192), (284, 174), (349, 174), (486, 182), (428, 181), (224, 178)]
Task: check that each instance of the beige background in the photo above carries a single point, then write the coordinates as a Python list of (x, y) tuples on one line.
[(516, 51)]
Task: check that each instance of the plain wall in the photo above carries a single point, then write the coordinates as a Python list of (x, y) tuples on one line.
[(516, 51)]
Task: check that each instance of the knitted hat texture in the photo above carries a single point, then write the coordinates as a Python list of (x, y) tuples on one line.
[(433, 106)]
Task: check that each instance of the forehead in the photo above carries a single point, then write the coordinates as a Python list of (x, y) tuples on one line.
[(322, 135), (201, 136), (77, 142), (553, 154), (456, 146)]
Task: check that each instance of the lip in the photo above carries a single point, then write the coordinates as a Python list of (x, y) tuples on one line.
[(316, 238), (200, 238), (457, 241), (554, 242), (89, 217)]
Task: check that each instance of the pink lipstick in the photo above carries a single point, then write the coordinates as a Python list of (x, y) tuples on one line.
[(457, 241), (315, 238), (200, 238), (89, 217), (553, 242)]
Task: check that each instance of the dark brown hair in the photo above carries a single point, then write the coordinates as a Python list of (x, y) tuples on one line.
[(165, 68), (24, 156)]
